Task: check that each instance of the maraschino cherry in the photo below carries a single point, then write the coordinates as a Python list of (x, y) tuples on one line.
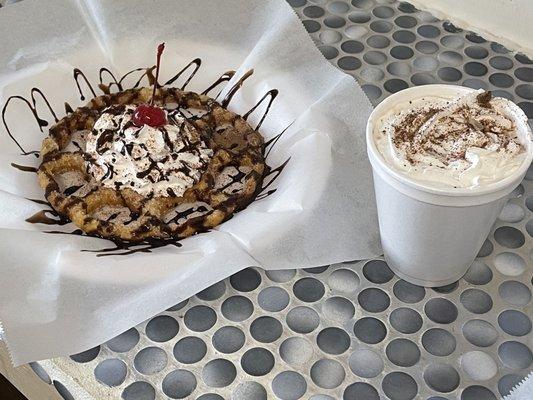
[(149, 114)]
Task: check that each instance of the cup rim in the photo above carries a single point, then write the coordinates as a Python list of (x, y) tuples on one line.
[(376, 156)]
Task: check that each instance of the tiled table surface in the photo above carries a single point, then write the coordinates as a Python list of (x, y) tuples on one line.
[(352, 330)]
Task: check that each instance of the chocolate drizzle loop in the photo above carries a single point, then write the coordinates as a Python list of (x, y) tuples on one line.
[(196, 62), (77, 73), (225, 77), (271, 94), (235, 88)]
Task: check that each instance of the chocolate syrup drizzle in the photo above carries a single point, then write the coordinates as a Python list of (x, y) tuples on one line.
[(51, 217)]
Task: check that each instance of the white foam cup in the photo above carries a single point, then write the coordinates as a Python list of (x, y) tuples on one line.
[(431, 235)]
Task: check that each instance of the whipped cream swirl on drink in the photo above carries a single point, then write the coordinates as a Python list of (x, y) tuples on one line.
[(465, 142), (158, 161)]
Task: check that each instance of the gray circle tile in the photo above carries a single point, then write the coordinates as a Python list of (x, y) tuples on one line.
[(228, 339), (510, 237), (40, 372), (87, 355), (125, 341), (399, 386), (150, 360), (179, 384), (477, 392), (200, 318), (302, 319), (373, 300), (349, 63), (213, 292), (515, 355), (139, 390), (515, 293), (441, 310), (249, 391), (237, 308), (405, 320), (338, 309), (273, 299), (478, 273), (327, 373), (257, 361), (476, 301), (370, 330), (219, 373), (510, 264), (308, 289), (111, 372), (441, 377), (162, 328), (333, 340), (246, 280), (365, 363), (377, 271), (508, 382), (289, 385), (514, 323), (408, 293), (343, 281), (480, 333), (479, 366), (266, 329), (62, 390), (438, 342), (402, 352), (296, 351), (190, 350), (360, 390)]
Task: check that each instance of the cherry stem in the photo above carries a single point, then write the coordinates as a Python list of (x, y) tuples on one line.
[(160, 49)]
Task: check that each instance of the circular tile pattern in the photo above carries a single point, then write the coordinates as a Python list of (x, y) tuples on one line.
[(178, 384), (479, 366), (438, 342), (308, 290), (327, 373), (200, 318), (246, 280), (249, 391), (273, 299), (150, 360), (373, 300), (399, 386), (478, 274), (441, 377), (281, 276), (302, 319), (360, 390), (228, 339), (213, 292), (510, 264), (515, 293), (510, 237), (237, 308), (407, 292), (295, 351), (405, 320), (441, 310), (190, 349), (508, 382), (87, 355), (514, 323), (352, 46), (289, 385), (377, 271), (370, 330), (139, 390), (111, 372), (515, 355), (333, 340), (125, 341), (266, 329), (257, 361), (402, 352), (480, 333), (62, 390), (343, 281), (476, 301), (477, 392), (338, 309), (162, 328), (365, 363), (349, 63), (219, 373)]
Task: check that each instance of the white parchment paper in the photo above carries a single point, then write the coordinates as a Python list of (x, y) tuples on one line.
[(56, 299)]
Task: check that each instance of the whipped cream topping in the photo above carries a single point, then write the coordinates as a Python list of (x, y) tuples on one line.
[(162, 161), (464, 142)]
